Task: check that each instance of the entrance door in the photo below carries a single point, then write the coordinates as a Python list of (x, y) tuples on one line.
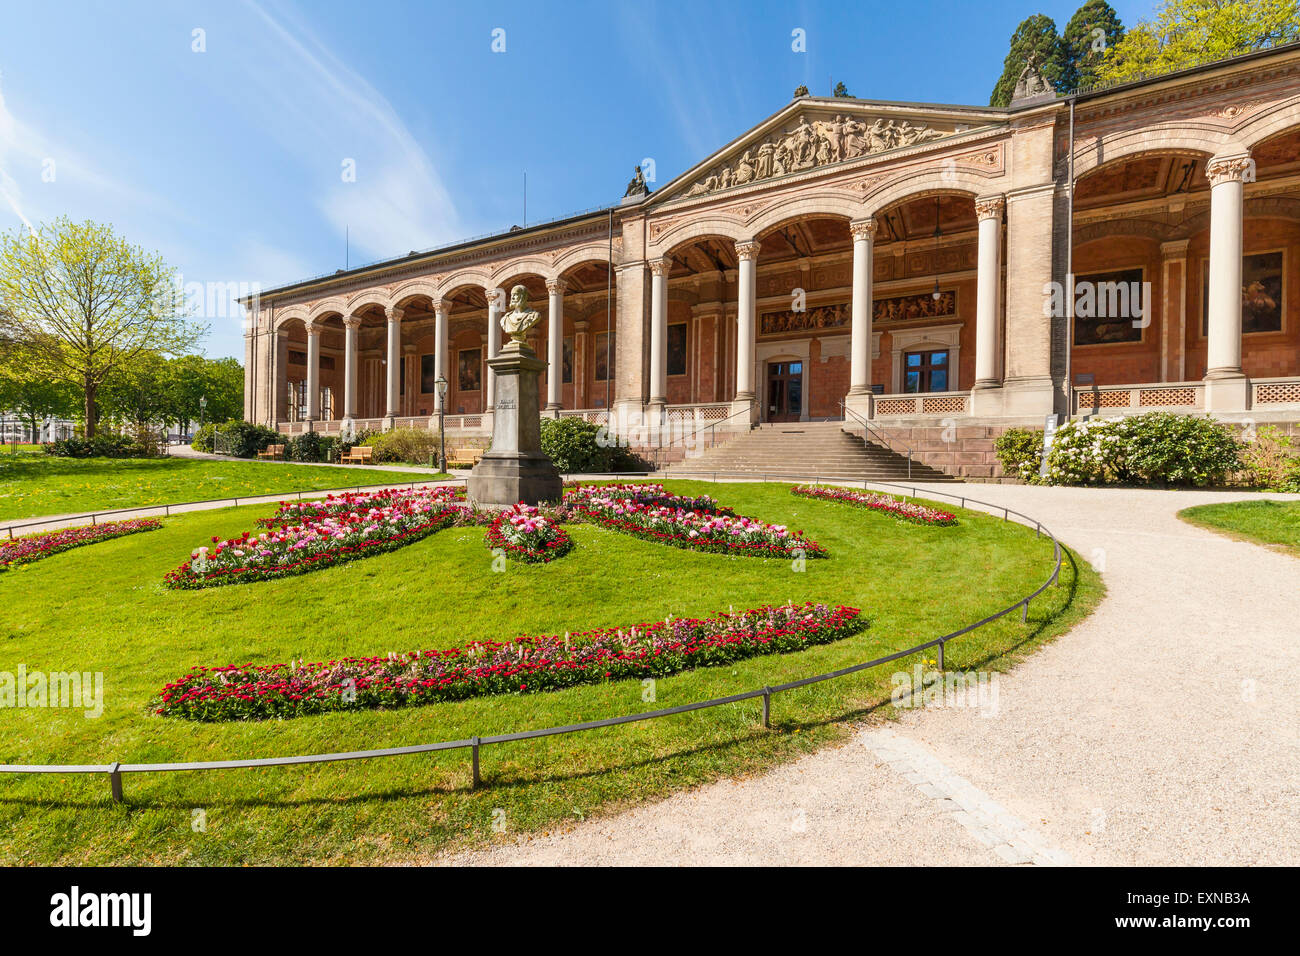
[(784, 391)]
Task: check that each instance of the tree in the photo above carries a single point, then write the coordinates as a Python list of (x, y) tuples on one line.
[(800, 90), (1035, 36), (136, 392), (1094, 29), (192, 378), (842, 91), (86, 303), (32, 397), (1186, 32)]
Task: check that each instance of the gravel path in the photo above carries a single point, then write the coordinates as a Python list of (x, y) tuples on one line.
[(1165, 729)]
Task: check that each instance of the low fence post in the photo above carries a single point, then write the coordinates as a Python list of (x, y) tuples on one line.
[(477, 780), (115, 781), (940, 657), (767, 707), (1024, 612)]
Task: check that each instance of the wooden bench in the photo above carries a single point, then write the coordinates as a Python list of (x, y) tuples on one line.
[(361, 455), (464, 457), (272, 452)]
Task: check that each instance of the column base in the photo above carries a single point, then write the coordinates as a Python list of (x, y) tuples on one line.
[(390, 422), (1227, 391), (1029, 397), (739, 421), (552, 409), (862, 404), (987, 400)]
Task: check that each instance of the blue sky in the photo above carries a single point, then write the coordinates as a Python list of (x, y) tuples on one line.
[(231, 161)]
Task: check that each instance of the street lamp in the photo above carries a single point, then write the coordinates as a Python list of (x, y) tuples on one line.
[(441, 386), (203, 407)]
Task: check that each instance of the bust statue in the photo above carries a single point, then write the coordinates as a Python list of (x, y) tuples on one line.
[(520, 318)]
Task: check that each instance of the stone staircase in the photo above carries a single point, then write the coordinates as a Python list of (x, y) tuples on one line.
[(805, 449)]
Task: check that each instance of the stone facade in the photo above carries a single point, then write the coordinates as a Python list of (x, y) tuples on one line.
[(902, 263)]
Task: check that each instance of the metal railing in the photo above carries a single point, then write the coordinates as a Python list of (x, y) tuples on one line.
[(886, 440), (116, 769)]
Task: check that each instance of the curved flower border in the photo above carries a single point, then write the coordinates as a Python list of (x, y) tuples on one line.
[(321, 534), (523, 532), (34, 547), (523, 666), (696, 524), (902, 510)]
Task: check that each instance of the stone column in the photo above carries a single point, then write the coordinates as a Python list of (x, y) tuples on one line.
[(440, 309), (555, 346), (988, 325), (745, 322), (659, 269), (495, 297), (393, 366), (350, 326), (1028, 389), (1226, 388), (313, 373), (1173, 311), (859, 397)]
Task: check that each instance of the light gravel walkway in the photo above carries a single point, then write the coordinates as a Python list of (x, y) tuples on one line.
[(1165, 729)]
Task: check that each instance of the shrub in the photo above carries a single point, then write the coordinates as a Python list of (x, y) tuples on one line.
[(101, 446), (1020, 450), (1156, 448), (1170, 449), (416, 445), (577, 446), (312, 446), (1269, 461), (241, 439), (202, 440)]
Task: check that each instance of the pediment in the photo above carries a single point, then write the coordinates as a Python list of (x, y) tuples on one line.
[(815, 133)]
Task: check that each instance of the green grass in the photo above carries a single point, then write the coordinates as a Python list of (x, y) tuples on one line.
[(103, 608), (1272, 523), (37, 486)]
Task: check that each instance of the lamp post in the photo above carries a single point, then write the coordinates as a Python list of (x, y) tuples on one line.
[(203, 407), (441, 386)]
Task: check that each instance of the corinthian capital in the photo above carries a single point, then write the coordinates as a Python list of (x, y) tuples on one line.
[(661, 267), (748, 249), (352, 321), (555, 286), (863, 228), (1229, 169), (395, 313), (990, 207)]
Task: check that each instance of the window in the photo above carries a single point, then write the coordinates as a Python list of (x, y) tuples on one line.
[(677, 349), (297, 401), (925, 371), (469, 374), (604, 354), (428, 375), (326, 404)]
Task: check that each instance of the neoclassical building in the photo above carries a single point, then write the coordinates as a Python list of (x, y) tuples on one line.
[(897, 262)]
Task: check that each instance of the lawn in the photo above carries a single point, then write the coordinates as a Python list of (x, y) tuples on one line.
[(104, 608), (34, 486), (1272, 523)]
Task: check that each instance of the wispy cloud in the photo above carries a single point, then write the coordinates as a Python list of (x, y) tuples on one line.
[(323, 113)]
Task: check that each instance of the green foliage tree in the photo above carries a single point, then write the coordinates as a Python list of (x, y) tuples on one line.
[(1035, 36), (136, 392), (31, 396), (192, 378), (87, 303), (1091, 32), (1185, 32), (842, 91)]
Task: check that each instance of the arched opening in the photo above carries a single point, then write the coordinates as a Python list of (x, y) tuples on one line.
[(590, 299)]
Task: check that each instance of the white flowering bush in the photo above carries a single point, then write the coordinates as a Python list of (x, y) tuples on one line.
[(1156, 448)]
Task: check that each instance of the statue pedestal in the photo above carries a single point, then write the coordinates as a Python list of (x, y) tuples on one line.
[(515, 468)]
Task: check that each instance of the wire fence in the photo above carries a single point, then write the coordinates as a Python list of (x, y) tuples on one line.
[(116, 769)]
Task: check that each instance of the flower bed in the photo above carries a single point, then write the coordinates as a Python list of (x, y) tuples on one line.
[(650, 513), (307, 536), (523, 532), (903, 510), (525, 665), (33, 547)]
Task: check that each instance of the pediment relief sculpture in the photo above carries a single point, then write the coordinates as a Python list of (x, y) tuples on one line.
[(808, 145)]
